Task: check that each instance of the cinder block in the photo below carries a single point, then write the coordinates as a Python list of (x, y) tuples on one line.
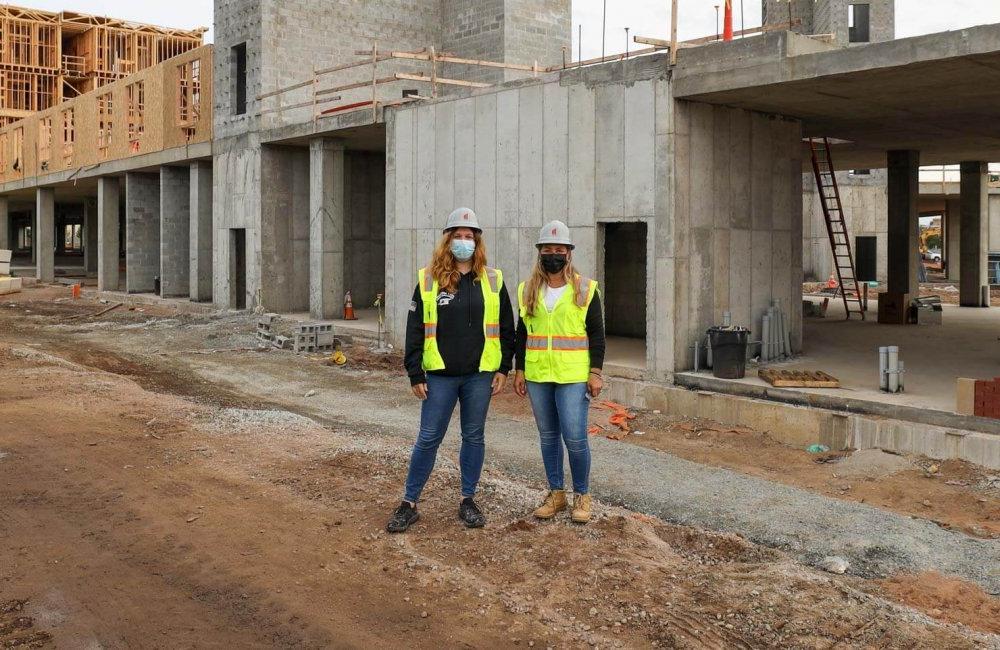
[(965, 392)]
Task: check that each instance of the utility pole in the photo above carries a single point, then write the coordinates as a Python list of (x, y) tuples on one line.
[(604, 28), (673, 32)]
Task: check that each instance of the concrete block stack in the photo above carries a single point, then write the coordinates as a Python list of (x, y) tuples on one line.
[(314, 337), (265, 328), (7, 283)]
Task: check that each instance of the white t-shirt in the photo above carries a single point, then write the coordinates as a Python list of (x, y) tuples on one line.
[(552, 296)]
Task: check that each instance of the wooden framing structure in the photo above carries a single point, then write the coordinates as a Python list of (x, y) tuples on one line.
[(46, 57), (137, 115)]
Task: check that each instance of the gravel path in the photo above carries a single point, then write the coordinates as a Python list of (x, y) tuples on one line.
[(809, 526)]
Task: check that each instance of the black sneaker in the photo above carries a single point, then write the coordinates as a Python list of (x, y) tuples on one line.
[(402, 518), (470, 514)]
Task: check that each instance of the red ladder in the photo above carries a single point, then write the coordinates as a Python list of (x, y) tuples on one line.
[(836, 227)]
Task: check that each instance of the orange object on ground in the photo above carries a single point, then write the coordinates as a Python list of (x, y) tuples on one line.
[(76, 290), (620, 417), (349, 308), (832, 282)]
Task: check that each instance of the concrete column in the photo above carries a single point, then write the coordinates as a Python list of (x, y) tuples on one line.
[(200, 246), (974, 236), (5, 240), (108, 197), (142, 231), (952, 221), (175, 231), (326, 228), (44, 236), (90, 227), (904, 226)]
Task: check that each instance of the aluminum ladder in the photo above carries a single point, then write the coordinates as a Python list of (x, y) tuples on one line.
[(836, 227)]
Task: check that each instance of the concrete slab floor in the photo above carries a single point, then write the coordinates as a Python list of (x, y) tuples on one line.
[(965, 345), (625, 351)]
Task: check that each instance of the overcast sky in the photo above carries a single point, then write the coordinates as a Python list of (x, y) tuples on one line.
[(644, 17)]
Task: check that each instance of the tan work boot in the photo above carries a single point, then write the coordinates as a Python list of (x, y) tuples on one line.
[(554, 503), (581, 508)]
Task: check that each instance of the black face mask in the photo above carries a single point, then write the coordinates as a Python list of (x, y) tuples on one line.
[(554, 262)]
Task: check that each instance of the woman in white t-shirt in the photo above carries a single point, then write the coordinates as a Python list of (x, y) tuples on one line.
[(559, 353)]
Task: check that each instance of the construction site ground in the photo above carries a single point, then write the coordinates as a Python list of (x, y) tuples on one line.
[(165, 484)]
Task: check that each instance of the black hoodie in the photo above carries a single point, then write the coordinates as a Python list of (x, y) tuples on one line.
[(460, 336)]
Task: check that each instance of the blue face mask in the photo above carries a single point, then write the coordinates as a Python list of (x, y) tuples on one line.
[(463, 249)]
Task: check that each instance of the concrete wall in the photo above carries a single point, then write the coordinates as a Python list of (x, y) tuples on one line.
[(831, 17), (175, 231), (142, 231), (719, 189), (738, 221), (284, 251), (364, 226), (865, 205), (236, 201)]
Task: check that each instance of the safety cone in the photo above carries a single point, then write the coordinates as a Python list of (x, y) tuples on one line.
[(832, 282), (349, 308)]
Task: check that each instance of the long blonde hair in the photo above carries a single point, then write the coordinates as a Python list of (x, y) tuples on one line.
[(444, 266), (538, 280)]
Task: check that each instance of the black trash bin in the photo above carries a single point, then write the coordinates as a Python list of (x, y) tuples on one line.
[(729, 351)]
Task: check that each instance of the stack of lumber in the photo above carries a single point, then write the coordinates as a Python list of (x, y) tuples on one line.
[(7, 283)]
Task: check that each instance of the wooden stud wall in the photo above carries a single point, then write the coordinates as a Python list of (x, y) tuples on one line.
[(48, 57), (162, 128)]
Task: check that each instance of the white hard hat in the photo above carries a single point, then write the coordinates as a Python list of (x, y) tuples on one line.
[(554, 232), (462, 218)]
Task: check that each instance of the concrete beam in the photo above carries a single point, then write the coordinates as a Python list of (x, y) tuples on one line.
[(904, 225), (974, 236), (200, 247), (5, 223), (90, 245), (142, 231), (175, 236), (44, 236), (326, 228), (108, 197)]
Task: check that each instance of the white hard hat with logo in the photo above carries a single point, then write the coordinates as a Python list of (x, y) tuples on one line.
[(462, 218), (554, 232)]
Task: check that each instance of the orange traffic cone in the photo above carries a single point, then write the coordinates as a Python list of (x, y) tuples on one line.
[(76, 291), (832, 282), (349, 308)]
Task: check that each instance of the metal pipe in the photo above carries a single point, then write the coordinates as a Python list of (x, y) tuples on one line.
[(697, 356), (765, 338), (709, 362), (901, 374), (883, 367), (893, 361)]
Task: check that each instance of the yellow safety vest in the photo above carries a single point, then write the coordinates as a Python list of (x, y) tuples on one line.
[(558, 349), (491, 281)]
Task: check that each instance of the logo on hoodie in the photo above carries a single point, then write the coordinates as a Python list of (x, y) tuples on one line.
[(444, 298)]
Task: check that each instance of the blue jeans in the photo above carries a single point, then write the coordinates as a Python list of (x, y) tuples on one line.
[(561, 415), (473, 392)]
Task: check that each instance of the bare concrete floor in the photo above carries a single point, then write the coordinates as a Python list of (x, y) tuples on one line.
[(626, 352), (967, 344)]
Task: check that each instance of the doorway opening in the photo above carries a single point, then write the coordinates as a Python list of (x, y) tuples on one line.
[(238, 268), (624, 292)]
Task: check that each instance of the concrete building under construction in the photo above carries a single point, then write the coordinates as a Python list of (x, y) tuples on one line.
[(280, 168)]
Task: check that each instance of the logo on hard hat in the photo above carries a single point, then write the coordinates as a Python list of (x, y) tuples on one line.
[(466, 216), (555, 231)]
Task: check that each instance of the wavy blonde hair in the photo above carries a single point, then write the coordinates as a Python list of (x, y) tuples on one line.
[(538, 280), (444, 266)]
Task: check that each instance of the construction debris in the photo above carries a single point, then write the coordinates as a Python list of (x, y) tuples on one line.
[(619, 418), (798, 378)]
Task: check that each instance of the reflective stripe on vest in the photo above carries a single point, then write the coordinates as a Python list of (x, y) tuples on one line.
[(557, 348), (491, 281)]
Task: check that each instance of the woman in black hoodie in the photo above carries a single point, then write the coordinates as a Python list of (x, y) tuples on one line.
[(459, 349)]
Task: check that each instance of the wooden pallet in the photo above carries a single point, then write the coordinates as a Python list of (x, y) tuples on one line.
[(798, 378)]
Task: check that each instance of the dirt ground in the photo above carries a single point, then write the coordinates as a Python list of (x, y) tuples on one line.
[(144, 507)]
